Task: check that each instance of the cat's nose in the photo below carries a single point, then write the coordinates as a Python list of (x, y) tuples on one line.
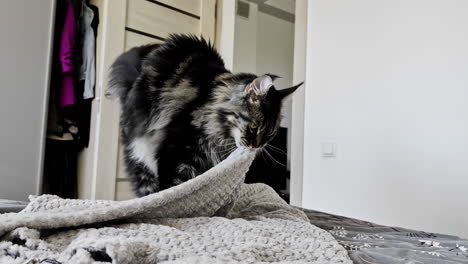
[(253, 146)]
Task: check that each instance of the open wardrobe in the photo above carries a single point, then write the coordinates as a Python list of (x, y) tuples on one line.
[(49, 82), (71, 91)]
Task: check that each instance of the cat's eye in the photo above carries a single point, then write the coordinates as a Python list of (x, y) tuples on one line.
[(253, 125)]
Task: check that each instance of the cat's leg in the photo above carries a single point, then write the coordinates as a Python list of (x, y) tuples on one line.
[(144, 182), (147, 184), (183, 173)]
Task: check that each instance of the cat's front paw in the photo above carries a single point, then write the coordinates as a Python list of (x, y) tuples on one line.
[(147, 186), (146, 190), (184, 172)]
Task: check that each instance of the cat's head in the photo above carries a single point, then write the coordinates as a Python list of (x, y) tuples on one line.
[(249, 108)]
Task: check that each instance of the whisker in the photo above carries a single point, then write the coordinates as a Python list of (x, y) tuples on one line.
[(263, 156), (226, 145), (277, 150), (274, 147), (271, 157), (221, 152)]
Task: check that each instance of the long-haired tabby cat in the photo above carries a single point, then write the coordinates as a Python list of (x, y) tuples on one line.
[(182, 111)]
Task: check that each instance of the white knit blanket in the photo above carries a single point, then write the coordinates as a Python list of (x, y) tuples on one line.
[(214, 218)]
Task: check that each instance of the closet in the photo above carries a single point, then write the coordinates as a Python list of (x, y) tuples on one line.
[(71, 91)]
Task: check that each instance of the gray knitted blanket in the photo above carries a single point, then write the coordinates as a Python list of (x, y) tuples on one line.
[(213, 218)]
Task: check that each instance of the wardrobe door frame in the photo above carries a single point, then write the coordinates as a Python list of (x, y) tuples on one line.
[(97, 163), (97, 166)]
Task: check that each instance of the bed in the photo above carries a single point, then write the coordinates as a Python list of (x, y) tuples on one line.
[(367, 242), (211, 218)]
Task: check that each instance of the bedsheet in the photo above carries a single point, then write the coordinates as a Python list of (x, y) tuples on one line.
[(369, 243)]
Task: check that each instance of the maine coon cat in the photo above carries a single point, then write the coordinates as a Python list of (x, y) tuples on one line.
[(182, 111)]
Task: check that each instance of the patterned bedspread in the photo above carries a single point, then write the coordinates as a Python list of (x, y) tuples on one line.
[(369, 243)]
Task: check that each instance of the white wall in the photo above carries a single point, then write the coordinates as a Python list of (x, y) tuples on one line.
[(387, 81), (275, 53), (265, 44), (245, 41)]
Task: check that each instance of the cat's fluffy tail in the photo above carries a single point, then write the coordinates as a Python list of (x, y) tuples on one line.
[(125, 70)]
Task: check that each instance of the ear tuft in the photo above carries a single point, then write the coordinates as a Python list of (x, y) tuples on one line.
[(260, 85), (286, 92)]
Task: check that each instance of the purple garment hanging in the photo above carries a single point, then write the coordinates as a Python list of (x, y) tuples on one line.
[(66, 50)]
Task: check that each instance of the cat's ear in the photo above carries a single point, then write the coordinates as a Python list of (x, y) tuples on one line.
[(260, 85), (273, 76), (284, 93)]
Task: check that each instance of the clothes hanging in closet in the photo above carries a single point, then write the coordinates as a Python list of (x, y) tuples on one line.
[(62, 95), (74, 71), (88, 67), (66, 55), (84, 120)]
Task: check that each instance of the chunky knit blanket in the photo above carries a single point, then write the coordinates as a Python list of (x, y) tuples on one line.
[(213, 218)]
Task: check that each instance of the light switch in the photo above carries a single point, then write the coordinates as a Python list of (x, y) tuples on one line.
[(328, 150)]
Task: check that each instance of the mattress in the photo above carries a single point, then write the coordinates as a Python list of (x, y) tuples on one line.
[(7, 206), (369, 243)]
